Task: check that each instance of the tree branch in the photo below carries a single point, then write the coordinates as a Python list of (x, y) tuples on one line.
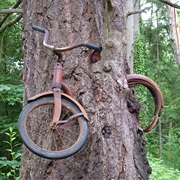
[(10, 11), (10, 23), (18, 2), (170, 4), (136, 12)]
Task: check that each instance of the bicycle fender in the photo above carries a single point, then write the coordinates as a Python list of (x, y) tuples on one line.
[(44, 94), (150, 84), (40, 95), (155, 91)]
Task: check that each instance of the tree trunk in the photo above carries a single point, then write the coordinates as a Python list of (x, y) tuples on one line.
[(113, 149), (169, 140), (132, 26), (174, 29)]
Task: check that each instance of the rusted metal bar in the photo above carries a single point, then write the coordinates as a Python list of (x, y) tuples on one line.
[(66, 48), (57, 79), (155, 91)]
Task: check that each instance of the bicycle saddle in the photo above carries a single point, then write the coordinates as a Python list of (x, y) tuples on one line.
[(155, 91)]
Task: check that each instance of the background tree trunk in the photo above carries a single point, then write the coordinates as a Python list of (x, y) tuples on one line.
[(174, 29), (113, 149), (132, 26)]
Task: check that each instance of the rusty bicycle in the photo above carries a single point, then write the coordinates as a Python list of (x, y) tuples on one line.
[(53, 124)]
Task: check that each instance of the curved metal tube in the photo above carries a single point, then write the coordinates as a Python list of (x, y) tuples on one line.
[(155, 91), (62, 49)]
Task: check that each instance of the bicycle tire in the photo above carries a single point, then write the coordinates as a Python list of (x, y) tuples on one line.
[(27, 135)]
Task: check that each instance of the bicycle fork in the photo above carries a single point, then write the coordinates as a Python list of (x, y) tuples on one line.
[(57, 86), (57, 79)]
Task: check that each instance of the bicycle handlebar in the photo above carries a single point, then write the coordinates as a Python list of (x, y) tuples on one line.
[(38, 28), (53, 48)]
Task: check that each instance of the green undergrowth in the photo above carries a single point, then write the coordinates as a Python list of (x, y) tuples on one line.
[(160, 171)]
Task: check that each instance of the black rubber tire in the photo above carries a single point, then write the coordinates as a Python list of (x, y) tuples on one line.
[(40, 151)]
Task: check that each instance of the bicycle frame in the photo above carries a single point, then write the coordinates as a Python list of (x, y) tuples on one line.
[(57, 78), (57, 93)]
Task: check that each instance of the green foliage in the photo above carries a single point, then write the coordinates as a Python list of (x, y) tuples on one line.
[(11, 93), (7, 3), (160, 171), (171, 149), (154, 57), (139, 55), (178, 12), (9, 168), (10, 105)]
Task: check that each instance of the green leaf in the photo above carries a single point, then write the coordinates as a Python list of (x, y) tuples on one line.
[(7, 142), (10, 129)]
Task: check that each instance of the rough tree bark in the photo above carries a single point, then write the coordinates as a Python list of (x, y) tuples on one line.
[(114, 149)]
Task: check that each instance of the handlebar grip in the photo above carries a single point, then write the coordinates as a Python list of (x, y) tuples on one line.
[(92, 46), (38, 28)]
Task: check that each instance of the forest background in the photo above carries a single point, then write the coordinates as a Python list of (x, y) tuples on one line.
[(153, 57)]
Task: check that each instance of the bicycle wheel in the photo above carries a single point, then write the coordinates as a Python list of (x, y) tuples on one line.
[(61, 142)]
